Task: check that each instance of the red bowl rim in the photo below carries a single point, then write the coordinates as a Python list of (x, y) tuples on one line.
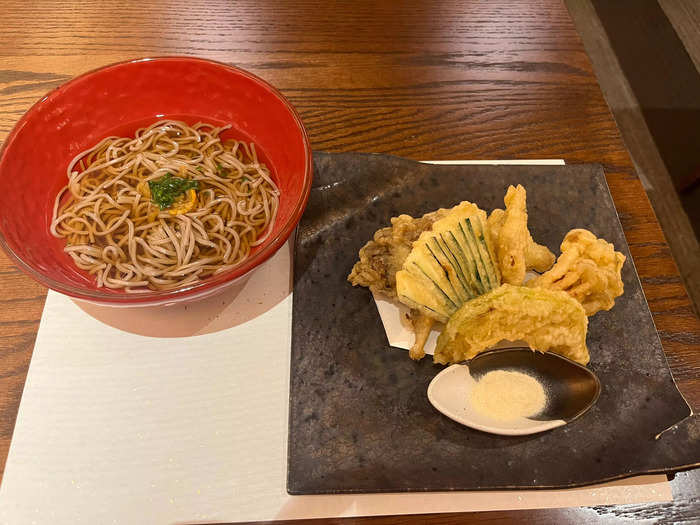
[(268, 248)]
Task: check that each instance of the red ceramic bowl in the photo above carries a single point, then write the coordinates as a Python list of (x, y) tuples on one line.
[(116, 100)]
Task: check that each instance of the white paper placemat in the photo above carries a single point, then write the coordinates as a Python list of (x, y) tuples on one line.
[(179, 415)]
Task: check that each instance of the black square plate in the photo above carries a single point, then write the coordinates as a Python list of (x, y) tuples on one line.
[(360, 420)]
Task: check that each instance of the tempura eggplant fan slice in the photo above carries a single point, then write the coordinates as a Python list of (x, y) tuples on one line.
[(448, 265)]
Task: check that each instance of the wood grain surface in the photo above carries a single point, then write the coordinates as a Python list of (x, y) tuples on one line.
[(425, 80)]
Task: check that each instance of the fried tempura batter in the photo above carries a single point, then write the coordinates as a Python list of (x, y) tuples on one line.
[(549, 312), (588, 269), (516, 251), (547, 320), (383, 256), (422, 324)]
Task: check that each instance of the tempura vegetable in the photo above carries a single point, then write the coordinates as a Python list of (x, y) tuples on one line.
[(588, 269), (449, 264), (385, 254), (516, 251), (422, 324), (547, 320)]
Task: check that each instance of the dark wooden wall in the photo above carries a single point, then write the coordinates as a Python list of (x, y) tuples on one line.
[(666, 84)]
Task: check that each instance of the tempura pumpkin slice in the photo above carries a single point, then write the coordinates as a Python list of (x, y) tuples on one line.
[(547, 320)]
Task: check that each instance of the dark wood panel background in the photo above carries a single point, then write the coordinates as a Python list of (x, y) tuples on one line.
[(425, 80)]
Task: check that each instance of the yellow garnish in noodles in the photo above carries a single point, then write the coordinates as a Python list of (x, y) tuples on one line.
[(184, 204)]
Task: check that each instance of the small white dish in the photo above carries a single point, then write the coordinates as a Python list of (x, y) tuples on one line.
[(571, 389)]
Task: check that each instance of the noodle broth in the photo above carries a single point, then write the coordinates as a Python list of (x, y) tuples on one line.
[(192, 204)]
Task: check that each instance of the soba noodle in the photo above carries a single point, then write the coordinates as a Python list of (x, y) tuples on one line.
[(219, 203)]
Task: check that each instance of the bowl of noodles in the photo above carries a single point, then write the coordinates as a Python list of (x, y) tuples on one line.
[(153, 181)]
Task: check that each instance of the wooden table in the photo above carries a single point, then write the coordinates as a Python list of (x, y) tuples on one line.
[(425, 80)]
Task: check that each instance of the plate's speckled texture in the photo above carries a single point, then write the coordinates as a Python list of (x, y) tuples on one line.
[(360, 420)]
